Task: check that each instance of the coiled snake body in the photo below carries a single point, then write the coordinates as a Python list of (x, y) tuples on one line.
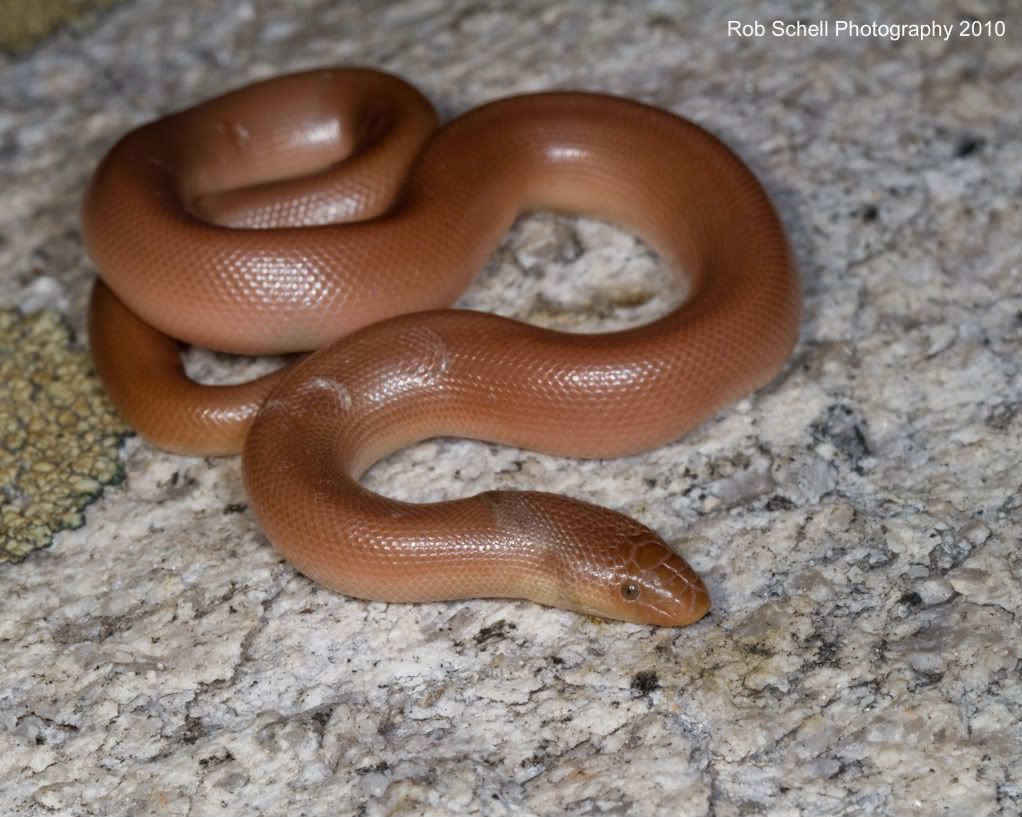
[(326, 205)]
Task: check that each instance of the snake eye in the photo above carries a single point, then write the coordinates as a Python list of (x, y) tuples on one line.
[(630, 591)]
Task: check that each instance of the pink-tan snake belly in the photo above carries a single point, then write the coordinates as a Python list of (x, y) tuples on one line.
[(324, 210)]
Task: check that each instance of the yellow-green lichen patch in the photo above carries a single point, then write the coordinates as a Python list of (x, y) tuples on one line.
[(23, 23), (59, 433)]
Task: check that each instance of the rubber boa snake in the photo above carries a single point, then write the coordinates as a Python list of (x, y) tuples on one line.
[(326, 211)]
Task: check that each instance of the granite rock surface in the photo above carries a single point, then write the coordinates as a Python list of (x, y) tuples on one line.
[(858, 521)]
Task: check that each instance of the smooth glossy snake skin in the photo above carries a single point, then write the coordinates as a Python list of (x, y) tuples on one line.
[(223, 226)]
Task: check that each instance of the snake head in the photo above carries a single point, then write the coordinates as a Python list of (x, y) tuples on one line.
[(643, 580), (606, 563)]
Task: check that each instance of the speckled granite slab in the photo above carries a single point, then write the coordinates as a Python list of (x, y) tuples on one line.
[(858, 521)]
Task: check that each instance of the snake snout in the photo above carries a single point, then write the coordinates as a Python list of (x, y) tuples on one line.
[(682, 598)]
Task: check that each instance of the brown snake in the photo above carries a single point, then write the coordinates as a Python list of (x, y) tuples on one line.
[(326, 205)]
